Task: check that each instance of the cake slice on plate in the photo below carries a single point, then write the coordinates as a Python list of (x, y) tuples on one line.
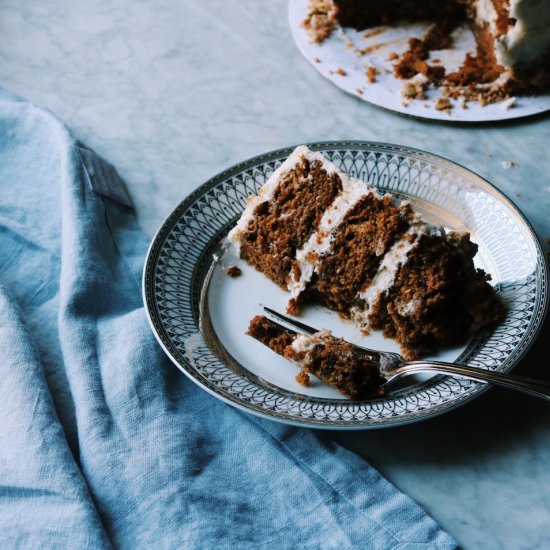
[(332, 239)]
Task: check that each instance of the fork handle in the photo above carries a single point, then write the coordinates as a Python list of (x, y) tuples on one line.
[(537, 388)]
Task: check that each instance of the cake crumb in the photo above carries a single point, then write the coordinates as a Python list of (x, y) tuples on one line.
[(371, 73), (359, 90), (414, 89), (302, 378), (317, 60), (509, 164), (443, 104), (341, 72), (508, 103), (233, 271), (321, 21), (393, 56)]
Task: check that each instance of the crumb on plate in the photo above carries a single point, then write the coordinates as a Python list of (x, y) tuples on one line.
[(233, 271), (371, 73), (443, 104)]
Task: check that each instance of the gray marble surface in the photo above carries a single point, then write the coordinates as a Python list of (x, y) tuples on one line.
[(173, 92)]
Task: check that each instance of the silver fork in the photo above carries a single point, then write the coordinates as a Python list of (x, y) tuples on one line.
[(393, 366)]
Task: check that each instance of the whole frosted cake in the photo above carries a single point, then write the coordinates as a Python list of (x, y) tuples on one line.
[(332, 239)]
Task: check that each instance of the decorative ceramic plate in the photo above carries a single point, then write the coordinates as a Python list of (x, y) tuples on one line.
[(345, 56), (200, 315)]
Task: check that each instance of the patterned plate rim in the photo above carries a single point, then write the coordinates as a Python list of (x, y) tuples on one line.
[(158, 241)]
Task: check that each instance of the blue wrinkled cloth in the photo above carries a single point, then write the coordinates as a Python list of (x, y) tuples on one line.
[(102, 441)]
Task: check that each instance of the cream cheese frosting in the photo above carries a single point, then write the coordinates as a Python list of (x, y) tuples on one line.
[(528, 33), (305, 343)]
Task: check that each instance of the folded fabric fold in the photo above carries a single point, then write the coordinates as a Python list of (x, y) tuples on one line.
[(103, 442)]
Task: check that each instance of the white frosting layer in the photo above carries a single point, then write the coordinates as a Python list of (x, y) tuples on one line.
[(267, 191), (304, 344), (308, 257), (526, 39)]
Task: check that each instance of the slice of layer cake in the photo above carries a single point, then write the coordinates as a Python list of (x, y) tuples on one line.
[(332, 239), (331, 359), (287, 210), (512, 36)]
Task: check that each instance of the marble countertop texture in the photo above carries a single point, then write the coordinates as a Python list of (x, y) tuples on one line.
[(173, 92)]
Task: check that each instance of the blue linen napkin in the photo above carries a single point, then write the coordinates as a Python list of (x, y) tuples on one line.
[(102, 441)]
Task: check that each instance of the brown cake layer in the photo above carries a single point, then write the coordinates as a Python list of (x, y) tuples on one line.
[(282, 225), (331, 359), (368, 13)]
